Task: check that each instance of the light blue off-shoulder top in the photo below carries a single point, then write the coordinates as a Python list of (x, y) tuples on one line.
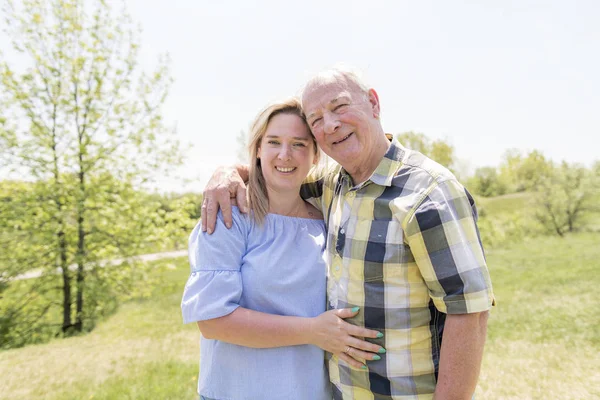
[(276, 268)]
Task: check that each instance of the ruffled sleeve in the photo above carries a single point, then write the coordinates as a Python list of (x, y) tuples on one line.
[(214, 287)]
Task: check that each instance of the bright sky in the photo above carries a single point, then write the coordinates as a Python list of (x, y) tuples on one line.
[(484, 75)]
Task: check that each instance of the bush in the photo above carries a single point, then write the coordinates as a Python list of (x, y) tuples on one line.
[(501, 230)]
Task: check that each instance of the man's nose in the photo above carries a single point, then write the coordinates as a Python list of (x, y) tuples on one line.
[(330, 123)]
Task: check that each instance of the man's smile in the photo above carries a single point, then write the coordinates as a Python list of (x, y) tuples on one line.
[(344, 138)]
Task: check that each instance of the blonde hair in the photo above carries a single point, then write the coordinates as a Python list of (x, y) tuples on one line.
[(258, 197)]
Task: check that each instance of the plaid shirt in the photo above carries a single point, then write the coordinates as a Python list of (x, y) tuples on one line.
[(405, 248)]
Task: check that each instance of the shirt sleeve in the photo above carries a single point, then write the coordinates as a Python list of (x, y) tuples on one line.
[(317, 187), (312, 188), (443, 236), (214, 287)]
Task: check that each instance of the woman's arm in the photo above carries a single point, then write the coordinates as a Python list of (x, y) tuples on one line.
[(328, 331)]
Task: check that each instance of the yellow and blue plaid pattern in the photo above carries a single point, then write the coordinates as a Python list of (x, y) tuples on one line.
[(405, 248)]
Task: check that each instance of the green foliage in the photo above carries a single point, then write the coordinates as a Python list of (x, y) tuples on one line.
[(85, 123), (567, 197), (438, 150), (521, 171), (177, 214), (124, 222), (486, 183), (502, 230), (517, 172)]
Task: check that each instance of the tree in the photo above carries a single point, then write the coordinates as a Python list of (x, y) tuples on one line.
[(524, 171), (85, 122), (486, 182), (438, 150), (566, 197)]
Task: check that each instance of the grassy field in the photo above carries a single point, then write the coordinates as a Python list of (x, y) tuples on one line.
[(544, 334), (506, 204), (141, 352), (543, 343)]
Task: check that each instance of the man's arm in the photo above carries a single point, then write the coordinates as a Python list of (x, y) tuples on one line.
[(461, 354), (226, 183), (444, 240)]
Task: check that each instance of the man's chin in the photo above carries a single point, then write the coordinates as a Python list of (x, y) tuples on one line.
[(346, 157)]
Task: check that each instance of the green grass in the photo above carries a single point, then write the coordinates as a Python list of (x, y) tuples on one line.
[(543, 336), (505, 204), (544, 333), (141, 352)]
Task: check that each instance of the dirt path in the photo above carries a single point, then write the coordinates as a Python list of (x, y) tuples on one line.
[(145, 257)]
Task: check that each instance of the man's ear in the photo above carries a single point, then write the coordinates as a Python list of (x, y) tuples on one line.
[(374, 100)]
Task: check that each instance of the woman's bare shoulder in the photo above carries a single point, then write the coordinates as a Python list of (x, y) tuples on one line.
[(312, 212)]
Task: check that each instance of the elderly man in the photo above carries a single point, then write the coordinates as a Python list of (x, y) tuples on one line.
[(402, 244)]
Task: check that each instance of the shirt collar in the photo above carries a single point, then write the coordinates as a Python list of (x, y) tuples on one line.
[(388, 166)]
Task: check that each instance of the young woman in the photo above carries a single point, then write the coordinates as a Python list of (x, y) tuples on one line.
[(257, 290)]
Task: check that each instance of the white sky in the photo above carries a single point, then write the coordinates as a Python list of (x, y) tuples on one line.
[(484, 75)]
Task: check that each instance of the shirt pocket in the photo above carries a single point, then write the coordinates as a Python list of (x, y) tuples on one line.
[(381, 244)]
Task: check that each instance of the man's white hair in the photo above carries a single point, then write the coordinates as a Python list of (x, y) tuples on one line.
[(340, 73)]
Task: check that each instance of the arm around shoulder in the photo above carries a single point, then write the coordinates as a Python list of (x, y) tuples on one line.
[(225, 183)]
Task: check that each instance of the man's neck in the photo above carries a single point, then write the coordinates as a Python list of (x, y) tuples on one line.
[(362, 172)]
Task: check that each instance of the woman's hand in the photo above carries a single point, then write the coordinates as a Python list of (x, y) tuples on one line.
[(330, 332)]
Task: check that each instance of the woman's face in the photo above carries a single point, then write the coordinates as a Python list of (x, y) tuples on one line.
[(286, 153)]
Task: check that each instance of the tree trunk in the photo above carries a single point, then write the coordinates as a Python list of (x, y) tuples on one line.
[(66, 325), (80, 247), (80, 281)]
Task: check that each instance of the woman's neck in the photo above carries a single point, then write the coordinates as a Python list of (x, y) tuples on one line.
[(285, 203)]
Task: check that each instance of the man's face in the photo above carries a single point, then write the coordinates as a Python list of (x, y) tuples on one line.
[(343, 119)]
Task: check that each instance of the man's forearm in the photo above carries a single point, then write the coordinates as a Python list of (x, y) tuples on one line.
[(460, 357)]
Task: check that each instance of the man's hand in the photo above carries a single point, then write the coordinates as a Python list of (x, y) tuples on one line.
[(224, 185)]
